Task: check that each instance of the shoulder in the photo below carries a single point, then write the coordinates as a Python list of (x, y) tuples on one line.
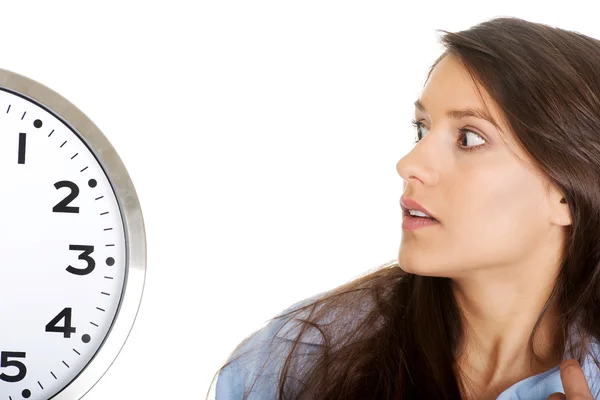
[(591, 368), (255, 364), (303, 329), (543, 385)]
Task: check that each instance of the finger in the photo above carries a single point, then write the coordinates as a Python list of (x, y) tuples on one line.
[(557, 396), (574, 382)]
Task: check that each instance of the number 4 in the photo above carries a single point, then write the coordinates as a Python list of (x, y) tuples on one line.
[(67, 329)]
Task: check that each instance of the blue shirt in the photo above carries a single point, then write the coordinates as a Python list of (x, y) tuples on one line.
[(263, 352)]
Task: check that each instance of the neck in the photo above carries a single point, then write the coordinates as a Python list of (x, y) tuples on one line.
[(499, 318)]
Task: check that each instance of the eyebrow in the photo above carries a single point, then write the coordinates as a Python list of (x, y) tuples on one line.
[(467, 112)]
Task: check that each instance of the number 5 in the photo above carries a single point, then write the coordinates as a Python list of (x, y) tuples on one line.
[(5, 362)]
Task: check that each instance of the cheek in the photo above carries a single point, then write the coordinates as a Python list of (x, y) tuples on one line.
[(489, 218), (496, 195), (496, 205), (498, 218)]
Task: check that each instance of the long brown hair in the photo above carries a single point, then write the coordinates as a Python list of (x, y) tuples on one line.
[(406, 343)]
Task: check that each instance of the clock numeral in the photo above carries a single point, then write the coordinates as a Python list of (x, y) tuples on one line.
[(22, 142), (5, 362), (63, 205), (91, 263), (67, 329)]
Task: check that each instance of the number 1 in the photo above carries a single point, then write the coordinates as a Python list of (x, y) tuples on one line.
[(22, 142)]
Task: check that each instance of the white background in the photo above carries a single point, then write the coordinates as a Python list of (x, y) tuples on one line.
[(262, 138)]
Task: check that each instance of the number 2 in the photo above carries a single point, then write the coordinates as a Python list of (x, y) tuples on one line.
[(63, 205)]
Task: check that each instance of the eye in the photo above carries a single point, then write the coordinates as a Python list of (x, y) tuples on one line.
[(418, 125), (464, 135)]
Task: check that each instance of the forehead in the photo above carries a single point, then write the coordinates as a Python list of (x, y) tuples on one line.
[(451, 87)]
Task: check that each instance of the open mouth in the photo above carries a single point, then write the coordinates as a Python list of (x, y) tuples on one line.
[(417, 217)]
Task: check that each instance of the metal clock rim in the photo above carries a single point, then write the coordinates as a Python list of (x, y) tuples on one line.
[(135, 237)]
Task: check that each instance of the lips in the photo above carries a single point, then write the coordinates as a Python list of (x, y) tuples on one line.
[(408, 203)]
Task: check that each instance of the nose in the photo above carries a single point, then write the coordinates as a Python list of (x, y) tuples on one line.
[(418, 166)]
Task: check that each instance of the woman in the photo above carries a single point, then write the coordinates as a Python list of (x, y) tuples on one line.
[(501, 282)]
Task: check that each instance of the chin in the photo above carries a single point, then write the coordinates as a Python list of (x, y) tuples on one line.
[(418, 264)]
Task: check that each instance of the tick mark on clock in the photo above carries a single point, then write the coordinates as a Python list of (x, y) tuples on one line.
[(24, 115), (8, 109), (98, 198), (66, 364), (108, 229), (108, 277), (86, 338), (101, 309), (110, 261), (93, 324), (104, 213), (74, 156), (78, 353), (83, 169), (50, 134), (40, 385), (63, 143), (110, 245), (53, 375), (92, 183), (104, 293), (37, 123), (26, 393)]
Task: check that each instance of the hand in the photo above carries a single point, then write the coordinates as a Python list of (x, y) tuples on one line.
[(574, 383)]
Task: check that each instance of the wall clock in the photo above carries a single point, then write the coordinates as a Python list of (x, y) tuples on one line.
[(72, 246)]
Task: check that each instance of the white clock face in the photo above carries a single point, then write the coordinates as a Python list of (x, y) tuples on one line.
[(62, 252)]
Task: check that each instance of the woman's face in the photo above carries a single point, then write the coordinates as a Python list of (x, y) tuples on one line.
[(494, 209)]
